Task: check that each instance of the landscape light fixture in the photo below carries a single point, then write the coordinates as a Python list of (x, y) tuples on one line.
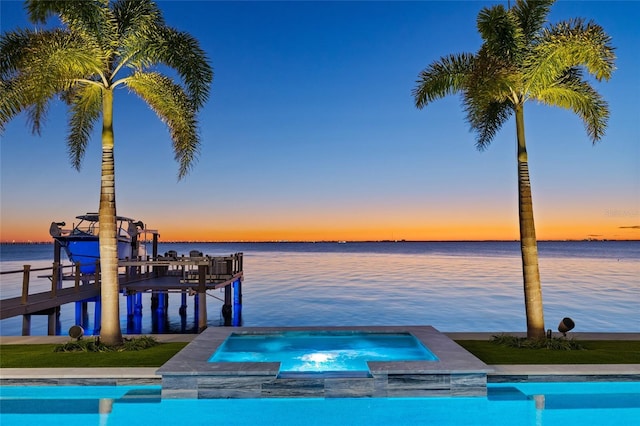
[(565, 325)]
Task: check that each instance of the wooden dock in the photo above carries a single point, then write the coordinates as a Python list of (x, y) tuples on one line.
[(160, 276)]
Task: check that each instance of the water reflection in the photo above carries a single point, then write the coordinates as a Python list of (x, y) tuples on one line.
[(452, 286)]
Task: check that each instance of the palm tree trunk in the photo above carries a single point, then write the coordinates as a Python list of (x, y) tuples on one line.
[(528, 242), (110, 333)]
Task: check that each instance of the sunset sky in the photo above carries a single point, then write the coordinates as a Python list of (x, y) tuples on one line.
[(311, 133)]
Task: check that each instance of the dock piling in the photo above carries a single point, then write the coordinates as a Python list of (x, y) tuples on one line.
[(25, 284), (186, 275)]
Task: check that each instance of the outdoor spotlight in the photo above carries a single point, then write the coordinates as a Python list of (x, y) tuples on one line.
[(76, 332), (565, 325)]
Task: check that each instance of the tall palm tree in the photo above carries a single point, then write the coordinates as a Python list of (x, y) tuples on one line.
[(520, 60), (100, 46)]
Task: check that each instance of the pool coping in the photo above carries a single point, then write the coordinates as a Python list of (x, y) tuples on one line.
[(143, 375), (194, 358)]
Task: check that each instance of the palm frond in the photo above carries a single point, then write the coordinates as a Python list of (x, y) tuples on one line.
[(502, 36), (89, 19), (135, 17), (85, 102), (47, 63), (147, 42), (56, 55), (41, 10), (23, 89), (174, 108), (570, 44), (572, 92), (441, 78), (13, 48), (12, 101), (493, 79), (486, 119), (182, 52), (137, 20), (532, 16)]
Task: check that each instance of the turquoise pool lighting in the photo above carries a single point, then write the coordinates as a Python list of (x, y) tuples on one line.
[(322, 351), (507, 404)]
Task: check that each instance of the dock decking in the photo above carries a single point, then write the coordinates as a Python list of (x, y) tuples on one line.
[(193, 275)]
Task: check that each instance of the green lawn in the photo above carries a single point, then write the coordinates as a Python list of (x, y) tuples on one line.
[(595, 352), (43, 356)]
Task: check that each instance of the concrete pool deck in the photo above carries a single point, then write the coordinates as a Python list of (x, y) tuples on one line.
[(149, 375)]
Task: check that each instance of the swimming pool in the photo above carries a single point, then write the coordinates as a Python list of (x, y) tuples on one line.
[(322, 351), (512, 404), (451, 371)]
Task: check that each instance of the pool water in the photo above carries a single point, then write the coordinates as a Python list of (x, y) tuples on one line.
[(507, 404), (322, 351)]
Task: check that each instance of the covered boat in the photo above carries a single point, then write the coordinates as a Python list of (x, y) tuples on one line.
[(81, 241)]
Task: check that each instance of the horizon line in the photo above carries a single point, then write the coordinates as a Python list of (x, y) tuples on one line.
[(345, 241)]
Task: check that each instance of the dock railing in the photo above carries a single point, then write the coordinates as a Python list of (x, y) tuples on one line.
[(205, 272), (56, 276)]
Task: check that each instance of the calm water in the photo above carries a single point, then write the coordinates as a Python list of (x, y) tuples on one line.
[(453, 286), (508, 404)]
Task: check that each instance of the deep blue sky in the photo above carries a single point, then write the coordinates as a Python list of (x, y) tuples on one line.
[(310, 133)]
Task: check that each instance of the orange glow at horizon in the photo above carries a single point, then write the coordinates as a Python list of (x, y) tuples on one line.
[(355, 231)]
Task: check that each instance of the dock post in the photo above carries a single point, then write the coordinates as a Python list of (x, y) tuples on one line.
[(154, 247), (136, 313), (129, 305), (159, 314), (183, 303), (25, 285), (26, 325), (78, 314), (237, 303), (97, 317), (82, 314), (154, 301), (130, 326), (183, 310), (57, 259), (53, 321), (196, 310), (26, 319), (55, 285), (137, 304), (163, 301), (202, 297), (227, 309), (160, 303)]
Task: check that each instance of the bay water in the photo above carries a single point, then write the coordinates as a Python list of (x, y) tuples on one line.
[(453, 286)]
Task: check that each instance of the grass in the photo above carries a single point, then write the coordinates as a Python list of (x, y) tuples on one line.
[(595, 352), (43, 356)]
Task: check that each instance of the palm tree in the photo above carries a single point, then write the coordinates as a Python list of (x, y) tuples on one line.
[(101, 46), (520, 60)]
